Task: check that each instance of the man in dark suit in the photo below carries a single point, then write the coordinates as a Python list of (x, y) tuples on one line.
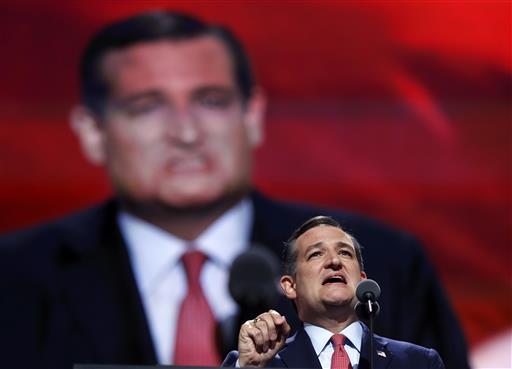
[(322, 268), (170, 109)]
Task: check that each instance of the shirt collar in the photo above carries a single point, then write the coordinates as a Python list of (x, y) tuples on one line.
[(320, 337), (154, 251), (229, 235)]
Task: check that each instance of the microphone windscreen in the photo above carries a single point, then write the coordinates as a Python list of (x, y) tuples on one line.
[(367, 286), (253, 277)]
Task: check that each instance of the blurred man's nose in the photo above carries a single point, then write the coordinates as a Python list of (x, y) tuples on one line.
[(184, 127)]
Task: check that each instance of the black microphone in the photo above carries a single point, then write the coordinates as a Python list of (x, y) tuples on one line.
[(368, 292), (253, 279)]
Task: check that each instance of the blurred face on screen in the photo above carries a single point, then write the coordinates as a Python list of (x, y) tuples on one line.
[(176, 130)]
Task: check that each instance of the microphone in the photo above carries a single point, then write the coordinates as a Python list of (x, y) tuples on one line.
[(253, 280), (253, 285), (368, 292)]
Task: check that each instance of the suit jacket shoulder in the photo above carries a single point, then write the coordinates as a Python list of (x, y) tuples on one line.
[(278, 219), (69, 295), (394, 354), (33, 255)]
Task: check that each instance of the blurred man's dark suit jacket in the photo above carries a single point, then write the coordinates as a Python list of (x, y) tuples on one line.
[(68, 294), (298, 352)]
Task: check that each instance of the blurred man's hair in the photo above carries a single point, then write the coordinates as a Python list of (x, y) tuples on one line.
[(148, 27)]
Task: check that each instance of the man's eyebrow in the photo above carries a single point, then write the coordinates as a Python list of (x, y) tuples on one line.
[(313, 246), (231, 91), (133, 98), (339, 244), (343, 244)]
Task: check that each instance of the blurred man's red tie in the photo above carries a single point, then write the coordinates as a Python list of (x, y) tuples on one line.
[(196, 330), (340, 359)]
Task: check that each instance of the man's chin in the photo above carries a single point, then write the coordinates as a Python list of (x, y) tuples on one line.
[(191, 200), (338, 301), (201, 196)]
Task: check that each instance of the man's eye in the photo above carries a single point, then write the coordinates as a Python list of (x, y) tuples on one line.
[(314, 254), (141, 109), (345, 253), (216, 101)]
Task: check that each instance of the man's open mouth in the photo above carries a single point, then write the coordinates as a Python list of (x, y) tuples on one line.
[(337, 278)]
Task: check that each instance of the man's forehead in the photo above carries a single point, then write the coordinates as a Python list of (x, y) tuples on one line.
[(197, 57), (324, 234)]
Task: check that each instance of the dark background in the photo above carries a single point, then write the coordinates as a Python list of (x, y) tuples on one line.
[(399, 110)]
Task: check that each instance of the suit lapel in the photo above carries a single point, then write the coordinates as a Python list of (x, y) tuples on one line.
[(381, 356), (299, 352), (98, 285)]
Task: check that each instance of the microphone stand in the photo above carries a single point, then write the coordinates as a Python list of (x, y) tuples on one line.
[(368, 311), (371, 313)]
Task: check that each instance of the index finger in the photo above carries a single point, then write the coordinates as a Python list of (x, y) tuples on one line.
[(277, 318), (282, 328)]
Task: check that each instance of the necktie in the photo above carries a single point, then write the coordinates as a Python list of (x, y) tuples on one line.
[(340, 359), (196, 330)]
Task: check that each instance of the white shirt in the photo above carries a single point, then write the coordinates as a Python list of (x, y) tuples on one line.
[(155, 258), (320, 338)]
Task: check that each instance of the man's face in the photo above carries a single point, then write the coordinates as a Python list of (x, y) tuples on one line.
[(175, 130), (327, 272)]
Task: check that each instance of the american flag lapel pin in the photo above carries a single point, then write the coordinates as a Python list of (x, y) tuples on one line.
[(381, 353)]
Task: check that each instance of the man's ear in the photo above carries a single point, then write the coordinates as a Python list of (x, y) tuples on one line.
[(90, 133), (363, 275), (254, 118), (288, 286)]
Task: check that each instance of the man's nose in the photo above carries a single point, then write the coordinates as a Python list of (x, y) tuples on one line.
[(334, 260), (184, 127)]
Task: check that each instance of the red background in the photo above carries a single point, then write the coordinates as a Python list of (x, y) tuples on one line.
[(399, 110)]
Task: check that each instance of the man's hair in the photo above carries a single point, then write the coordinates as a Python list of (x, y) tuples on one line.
[(148, 27), (290, 249)]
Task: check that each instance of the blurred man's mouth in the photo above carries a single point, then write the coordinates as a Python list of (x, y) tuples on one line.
[(188, 165)]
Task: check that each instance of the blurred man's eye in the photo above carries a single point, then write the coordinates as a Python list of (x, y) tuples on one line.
[(219, 100), (142, 108)]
